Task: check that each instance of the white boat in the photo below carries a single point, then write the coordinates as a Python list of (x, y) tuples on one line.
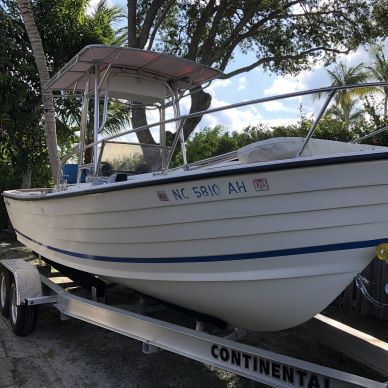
[(263, 239)]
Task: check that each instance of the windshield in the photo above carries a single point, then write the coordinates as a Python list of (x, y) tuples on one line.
[(131, 158)]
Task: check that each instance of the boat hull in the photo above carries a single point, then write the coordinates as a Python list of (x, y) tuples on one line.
[(262, 250)]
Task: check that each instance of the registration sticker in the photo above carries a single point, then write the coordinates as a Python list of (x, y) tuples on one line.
[(260, 184), (162, 195)]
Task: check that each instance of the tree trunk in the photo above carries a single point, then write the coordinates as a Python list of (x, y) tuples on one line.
[(385, 103), (26, 178), (200, 101), (41, 64), (151, 157), (139, 119)]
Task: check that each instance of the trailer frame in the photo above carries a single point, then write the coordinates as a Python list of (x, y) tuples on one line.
[(34, 288)]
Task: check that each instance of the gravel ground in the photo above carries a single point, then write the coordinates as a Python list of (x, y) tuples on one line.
[(75, 354)]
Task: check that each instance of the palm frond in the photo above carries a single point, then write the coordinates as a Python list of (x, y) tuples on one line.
[(343, 75), (113, 15), (379, 69), (119, 117), (346, 111)]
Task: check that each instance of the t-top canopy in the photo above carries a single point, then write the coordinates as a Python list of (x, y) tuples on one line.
[(180, 74)]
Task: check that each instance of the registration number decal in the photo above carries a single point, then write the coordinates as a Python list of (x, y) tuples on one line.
[(212, 190)]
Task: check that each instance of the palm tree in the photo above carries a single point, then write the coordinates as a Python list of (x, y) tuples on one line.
[(379, 72), (102, 14), (346, 100), (118, 117), (112, 15), (344, 75), (345, 112), (41, 64)]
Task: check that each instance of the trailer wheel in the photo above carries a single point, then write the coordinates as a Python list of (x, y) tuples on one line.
[(4, 291), (23, 318)]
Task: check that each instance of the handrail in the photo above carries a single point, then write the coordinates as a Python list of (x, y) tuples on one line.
[(378, 131), (330, 89), (317, 120), (244, 103)]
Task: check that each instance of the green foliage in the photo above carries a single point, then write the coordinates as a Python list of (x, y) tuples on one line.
[(286, 37), (348, 108), (379, 71), (379, 15), (344, 75), (216, 141), (373, 106), (379, 68), (208, 143), (65, 29), (19, 154), (117, 118), (57, 19), (346, 112), (127, 163), (22, 144)]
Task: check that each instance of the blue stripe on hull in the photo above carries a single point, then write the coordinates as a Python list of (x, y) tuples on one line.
[(230, 257)]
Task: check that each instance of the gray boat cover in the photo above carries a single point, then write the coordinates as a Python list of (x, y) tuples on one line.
[(279, 148)]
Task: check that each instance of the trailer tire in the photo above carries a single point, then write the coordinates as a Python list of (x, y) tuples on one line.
[(5, 282), (22, 318)]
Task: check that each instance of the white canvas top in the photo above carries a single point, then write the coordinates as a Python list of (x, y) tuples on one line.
[(161, 67)]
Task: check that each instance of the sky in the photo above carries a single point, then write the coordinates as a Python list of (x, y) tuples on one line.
[(257, 83)]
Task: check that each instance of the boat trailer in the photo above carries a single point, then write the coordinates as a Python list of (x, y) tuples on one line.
[(24, 286)]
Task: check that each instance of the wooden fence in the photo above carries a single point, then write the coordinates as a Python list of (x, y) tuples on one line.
[(353, 299)]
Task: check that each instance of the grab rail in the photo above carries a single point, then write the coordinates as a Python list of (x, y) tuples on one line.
[(374, 133), (245, 103), (331, 90)]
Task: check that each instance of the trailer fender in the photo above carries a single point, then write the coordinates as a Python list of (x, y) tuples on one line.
[(27, 279)]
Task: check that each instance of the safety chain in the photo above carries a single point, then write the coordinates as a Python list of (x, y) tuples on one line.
[(362, 284)]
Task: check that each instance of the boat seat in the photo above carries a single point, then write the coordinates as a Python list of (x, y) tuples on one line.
[(117, 177), (70, 171)]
